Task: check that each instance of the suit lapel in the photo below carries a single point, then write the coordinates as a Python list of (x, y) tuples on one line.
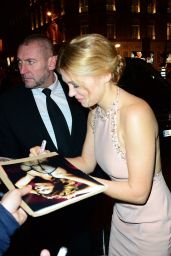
[(71, 103), (34, 118)]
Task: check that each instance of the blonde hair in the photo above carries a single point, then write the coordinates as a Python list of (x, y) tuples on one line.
[(92, 55)]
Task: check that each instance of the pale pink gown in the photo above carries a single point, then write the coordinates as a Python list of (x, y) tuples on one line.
[(136, 230)]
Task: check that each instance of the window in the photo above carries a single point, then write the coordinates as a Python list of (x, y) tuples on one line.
[(30, 2), (169, 6), (83, 29), (111, 5), (32, 22), (151, 7), (168, 31), (0, 44), (135, 31), (111, 31), (37, 18), (150, 59), (137, 54), (83, 6), (135, 6), (41, 17), (62, 7), (168, 60), (151, 32)]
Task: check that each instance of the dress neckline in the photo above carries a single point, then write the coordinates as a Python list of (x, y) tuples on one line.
[(104, 115)]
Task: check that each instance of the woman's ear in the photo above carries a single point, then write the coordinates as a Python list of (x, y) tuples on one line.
[(52, 62), (108, 78)]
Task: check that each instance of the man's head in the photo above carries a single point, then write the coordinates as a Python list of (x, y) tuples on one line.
[(36, 61)]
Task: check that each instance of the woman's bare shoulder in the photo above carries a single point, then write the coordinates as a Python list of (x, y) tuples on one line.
[(134, 104), (135, 109)]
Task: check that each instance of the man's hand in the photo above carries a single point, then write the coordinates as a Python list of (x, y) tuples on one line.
[(12, 201)]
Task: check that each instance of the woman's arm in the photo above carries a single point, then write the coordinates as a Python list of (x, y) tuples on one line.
[(86, 162), (139, 132)]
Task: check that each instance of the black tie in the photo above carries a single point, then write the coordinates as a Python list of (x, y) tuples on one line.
[(59, 124)]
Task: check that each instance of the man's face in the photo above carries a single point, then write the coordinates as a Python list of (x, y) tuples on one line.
[(35, 65)]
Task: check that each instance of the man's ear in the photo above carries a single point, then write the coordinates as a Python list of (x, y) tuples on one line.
[(52, 62)]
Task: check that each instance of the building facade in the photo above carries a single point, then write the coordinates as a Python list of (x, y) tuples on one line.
[(138, 28)]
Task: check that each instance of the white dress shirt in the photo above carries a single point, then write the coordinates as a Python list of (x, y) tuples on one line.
[(59, 97)]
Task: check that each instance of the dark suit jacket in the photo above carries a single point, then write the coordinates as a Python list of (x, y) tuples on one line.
[(21, 126)]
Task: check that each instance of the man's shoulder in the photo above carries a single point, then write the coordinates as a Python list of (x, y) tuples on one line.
[(15, 98), (12, 93)]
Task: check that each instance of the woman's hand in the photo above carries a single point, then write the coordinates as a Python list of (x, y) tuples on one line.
[(35, 151)]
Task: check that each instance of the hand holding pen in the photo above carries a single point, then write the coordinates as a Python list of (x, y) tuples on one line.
[(35, 151), (43, 146)]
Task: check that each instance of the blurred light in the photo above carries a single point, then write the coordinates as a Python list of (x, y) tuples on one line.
[(117, 45), (163, 72), (8, 61), (49, 14)]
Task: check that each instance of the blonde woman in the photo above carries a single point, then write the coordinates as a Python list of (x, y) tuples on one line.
[(123, 138)]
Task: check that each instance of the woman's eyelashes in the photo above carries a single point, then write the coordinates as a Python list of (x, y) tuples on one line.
[(74, 85)]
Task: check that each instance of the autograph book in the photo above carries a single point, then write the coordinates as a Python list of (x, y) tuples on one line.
[(55, 182)]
